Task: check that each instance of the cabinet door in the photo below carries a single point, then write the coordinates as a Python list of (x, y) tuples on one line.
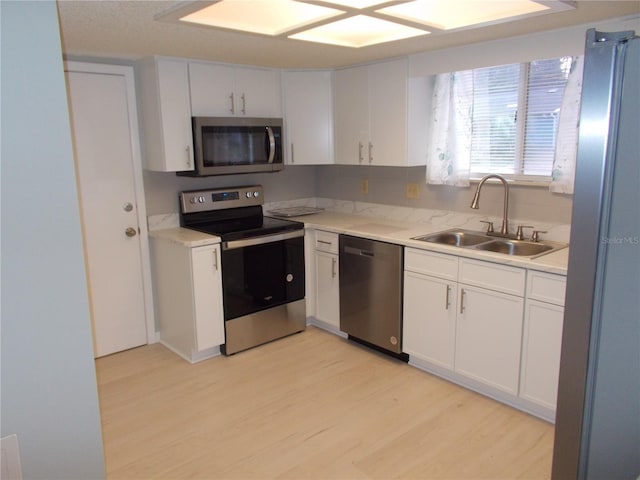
[(488, 337), (429, 320), (388, 113), (166, 115), (351, 107), (541, 345), (259, 92), (207, 296), (212, 90), (308, 117), (327, 288)]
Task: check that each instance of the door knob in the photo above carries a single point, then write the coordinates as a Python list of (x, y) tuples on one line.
[(127, 207), (130, 232)]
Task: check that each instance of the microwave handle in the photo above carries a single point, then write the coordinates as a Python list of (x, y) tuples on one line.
[(272, 145)]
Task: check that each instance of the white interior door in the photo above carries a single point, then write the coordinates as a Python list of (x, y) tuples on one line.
[(101, 127)]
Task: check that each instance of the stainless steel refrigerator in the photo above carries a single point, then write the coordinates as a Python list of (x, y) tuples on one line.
[(598, 413)]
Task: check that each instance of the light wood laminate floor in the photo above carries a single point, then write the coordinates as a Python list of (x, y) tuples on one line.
[(312, 405)]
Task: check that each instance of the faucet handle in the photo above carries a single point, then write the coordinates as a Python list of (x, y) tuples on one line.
[(519, 234), (534, 235), (489, 225)]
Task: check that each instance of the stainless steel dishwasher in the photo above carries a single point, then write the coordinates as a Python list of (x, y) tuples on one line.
[(371, 293)]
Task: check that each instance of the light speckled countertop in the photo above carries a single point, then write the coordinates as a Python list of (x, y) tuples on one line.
[(387, 231)]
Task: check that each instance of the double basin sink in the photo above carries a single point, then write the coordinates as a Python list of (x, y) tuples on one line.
[(479, 241)]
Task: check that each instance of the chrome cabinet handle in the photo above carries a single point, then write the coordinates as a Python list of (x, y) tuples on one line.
[(370, 152), (187, 150), (233, 104), (360, 147), (292, 157), (333, 268), (447, 301), (272, 144), (244, 104), (462, 301), (325, 242), (215, 259)]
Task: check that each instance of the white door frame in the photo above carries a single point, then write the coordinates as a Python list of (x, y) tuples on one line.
[(141, 211)]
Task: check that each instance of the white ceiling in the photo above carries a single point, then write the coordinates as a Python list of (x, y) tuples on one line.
[(127, 29)]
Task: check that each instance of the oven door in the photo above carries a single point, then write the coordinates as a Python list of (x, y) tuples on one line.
[(261, 273)]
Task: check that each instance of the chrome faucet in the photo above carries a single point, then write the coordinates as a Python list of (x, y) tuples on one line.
[(504, 231)]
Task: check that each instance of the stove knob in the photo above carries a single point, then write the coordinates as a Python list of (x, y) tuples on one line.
[(248, 194), (201, 199), (256, 194), (193, 200)]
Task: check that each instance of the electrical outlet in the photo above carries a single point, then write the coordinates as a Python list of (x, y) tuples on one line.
[(364, 187), (413, 190)]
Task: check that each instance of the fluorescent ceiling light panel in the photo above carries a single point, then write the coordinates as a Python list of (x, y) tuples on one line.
[(271, 17), (357, 3), (358, 31), (450, 14)]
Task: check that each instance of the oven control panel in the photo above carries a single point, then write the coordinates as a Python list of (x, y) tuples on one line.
[(220, 198)]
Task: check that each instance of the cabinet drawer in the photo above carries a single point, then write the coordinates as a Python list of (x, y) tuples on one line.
[(430, 263), (546, 287), (327, 242), (493, 276)]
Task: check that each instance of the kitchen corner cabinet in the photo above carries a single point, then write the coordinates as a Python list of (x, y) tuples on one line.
[(188, 298), (542, 338), (327, 287), (227, 91), (372, 111), (308, 106), (166, 114)]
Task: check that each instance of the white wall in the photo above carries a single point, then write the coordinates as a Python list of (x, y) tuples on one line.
[(525, 48), (49, 393)]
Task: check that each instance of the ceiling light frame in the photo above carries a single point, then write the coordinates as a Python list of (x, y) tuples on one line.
[(344, 12)]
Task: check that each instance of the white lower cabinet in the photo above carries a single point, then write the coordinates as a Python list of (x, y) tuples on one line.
[(429, 333), (488, 326), (488, 335), (188, 297), (327, 279), (542, 338)]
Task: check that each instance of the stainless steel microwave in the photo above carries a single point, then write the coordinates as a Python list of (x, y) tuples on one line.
[(231, 145)]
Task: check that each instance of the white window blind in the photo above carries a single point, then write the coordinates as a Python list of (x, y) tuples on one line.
[(495, 109), (515, 117)]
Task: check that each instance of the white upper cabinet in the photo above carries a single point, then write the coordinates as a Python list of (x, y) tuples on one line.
[(226, 91), (308, 104), (351, 110), (372, 113), (166, 114)]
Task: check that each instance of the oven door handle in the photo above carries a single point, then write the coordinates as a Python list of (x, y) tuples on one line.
[(261, 240)]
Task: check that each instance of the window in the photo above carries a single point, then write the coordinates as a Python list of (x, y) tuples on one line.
[(515, 118)]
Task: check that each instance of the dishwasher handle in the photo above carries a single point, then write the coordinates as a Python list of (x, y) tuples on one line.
[(358, 251)]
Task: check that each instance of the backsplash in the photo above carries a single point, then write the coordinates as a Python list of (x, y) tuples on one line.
[(440, 218)]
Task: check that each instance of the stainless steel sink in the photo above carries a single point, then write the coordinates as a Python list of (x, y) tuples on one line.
[(458, 238), (515, 247), (473, 240)]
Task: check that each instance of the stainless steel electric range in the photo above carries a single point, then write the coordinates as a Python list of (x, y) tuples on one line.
[(262, 264)]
